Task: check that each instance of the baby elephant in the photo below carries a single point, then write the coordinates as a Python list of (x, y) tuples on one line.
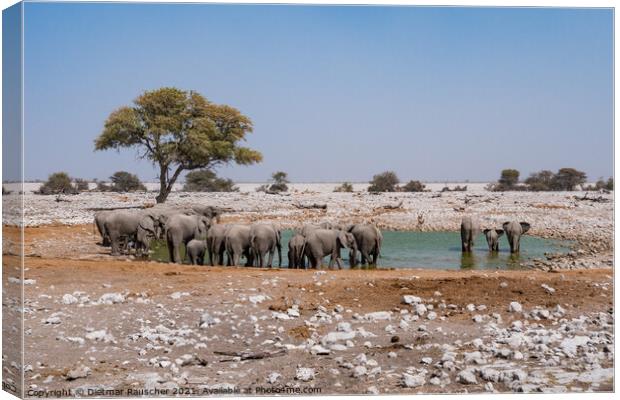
[(196, 251), (296, 248), (493, 236)]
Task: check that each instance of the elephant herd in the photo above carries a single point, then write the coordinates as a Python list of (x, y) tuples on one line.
[(205, 240), (197, 229), (512, 229)]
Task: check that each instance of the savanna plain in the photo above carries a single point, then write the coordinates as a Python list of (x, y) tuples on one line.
[(98, 324)]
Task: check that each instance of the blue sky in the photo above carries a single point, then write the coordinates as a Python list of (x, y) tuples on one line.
[(335, 93)]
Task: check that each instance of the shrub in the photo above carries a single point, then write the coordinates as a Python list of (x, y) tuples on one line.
[(610, 184), (103, 187), (384, 182), (507, 180), (413, 186), (58, 183), (123, 181), (457, 188), (278, 183), (540, 181), (206, 180), (345, 187), (567, 178)]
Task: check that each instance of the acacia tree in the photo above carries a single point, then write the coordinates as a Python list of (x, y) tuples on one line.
[(178, 130)]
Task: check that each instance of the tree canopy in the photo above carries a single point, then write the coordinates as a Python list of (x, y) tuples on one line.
[(179, 130), (384, 182)]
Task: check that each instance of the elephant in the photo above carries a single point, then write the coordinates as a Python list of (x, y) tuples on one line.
[(469, 230), (100, 218), (514, 230), (493, 236), (196, 250), (265, 238), (181, 228), (307, 228), (150, 227), (296, 249), (121, 225), (237, 243), (216, 238), (323, 242), (368, 241)]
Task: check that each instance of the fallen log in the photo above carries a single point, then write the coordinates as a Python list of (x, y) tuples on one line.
[(247, 355), (311, 206)]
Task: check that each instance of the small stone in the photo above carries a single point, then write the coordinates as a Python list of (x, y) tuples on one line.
[(69, 299), (503, 285), (304, 374), (372, 390), (392, 354), (77, 373), (408, 299), (273, 377), (359, 371), (467, 377), (548, 288), (427, 360), (395, 339), (515, 307), (413, 381)]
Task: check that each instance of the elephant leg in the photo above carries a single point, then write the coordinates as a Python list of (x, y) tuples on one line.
[(170, 251), (270, 261), (115, 245)]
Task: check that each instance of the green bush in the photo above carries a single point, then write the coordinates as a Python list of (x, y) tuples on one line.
[(413, 186), (345, 187), (206, 180), (123, 181), (278, 183), (58, 183), (384, 182), (567, 178), (540, 181)]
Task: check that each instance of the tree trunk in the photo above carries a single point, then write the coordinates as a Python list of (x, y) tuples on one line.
[(165, 185)]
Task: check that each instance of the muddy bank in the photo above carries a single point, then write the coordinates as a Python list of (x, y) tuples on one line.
[(104, 325)]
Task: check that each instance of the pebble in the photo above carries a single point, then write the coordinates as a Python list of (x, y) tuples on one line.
[(304, 374), (413, 381), (467, 377), (515, 307)]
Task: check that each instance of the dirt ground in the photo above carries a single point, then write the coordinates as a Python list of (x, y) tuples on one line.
[(95, 325)]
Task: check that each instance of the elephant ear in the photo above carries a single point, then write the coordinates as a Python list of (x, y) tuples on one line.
[(499, 232), (148, 223), (351, 241), (486, 231), (505, 225), (349, 228), (525, 226)]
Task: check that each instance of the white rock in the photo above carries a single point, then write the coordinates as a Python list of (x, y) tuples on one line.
[(334, 337), (515, 307), (256, 299), (409, 299), (206, 321), (548, 288), (69, 299), (273, 377), (304, 374), (343, 327), (111, 298), (378, 316), (319, 350), (467, 377), (420, 309), (431, 315), (359, 371), (413, 381), (100, 336)]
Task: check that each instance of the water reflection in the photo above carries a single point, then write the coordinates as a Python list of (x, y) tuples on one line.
[(468, 261)]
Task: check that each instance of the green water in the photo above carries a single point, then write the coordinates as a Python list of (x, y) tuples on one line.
[(434, 250)]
